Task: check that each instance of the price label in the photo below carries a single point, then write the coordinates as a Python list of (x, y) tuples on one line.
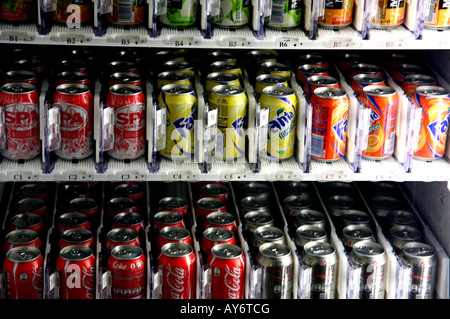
[(235, 42), (182, 176), (339, 43), (181, 42), (13, 36), (391, 43), (333, 176), (24, 176), (284, 43), (282, 176), (127, 40), (74, 39), (77, 176)]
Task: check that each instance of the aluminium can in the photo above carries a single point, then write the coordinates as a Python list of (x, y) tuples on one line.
[(399, 236), (208, 205), (77, 236), (173, 234), (413, 81), (27, 221), (20, 76), (213, 236), (382, 204), (62, 13), (400, 71), (364, 68), (253, 203), (403, 218), (180, 66), (338, 204), (437, 15), (310, 217), (221, 55), (121, 236), (131, 190), (298, 188), (126, 13), (215, 191), (285, 15), (388, 14), (174, 204), (83, 205), (275, 68), (222, 220), (32, 206), (353, 234), (256, 189), (21, 237), (318, 81), (304, 71), (72, 77), (337, 14), (180, 14), (130, 220), (356, 217), (220, 78), (265, 80), (255, 219), (173, 77), (120, 66), (227, 67), (307, 233), (19, 12), (129, 78), (233, 14), (167, 218), (294, 203), (360, 81), (118, 205), (267, 234)]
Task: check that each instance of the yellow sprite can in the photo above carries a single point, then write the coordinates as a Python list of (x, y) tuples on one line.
[(220, 78), (275, 68), (172, 77), (282, 104), (231, 104), (265, 80), (180, 102), (180, 66), (227, 67)]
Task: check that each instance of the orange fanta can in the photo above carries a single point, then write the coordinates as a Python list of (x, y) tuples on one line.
[(413, 81), (383, 102), (435, 104)]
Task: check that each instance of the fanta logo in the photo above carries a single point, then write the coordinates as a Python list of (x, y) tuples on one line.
[(281, 121), (237, 125), (130, 118), (73, 117), (182, 124), (22, 117), (438, 129), (340, 128), (374, 116)]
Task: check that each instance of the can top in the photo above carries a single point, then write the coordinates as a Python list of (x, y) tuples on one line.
[(220, 218), (122, 235), (177, 89), (128, 219), (378, 90), (406, 233), (254, 203), (176, 250), (82, 204), (311, 232), (225, 65), (77, 235), (318, 248), (357, 232), (127, 252), (76, 252), (330, 92), (226, 251), (210, 203), (258, 217), (368, 248), (26, 220), (311, 58), (268, 233), (274, 250), (261, 54), (70, 76), (432, 91), (125, 89), (385, 202), (74, 189), (220, 55), (256, 189), (218, 234), (125, 77), (18, 88), (356, 216), (125, 189), (19, 75), (173, 202), (168, 217), (270, 79), (34, 190), (418, 250), (368, 79), (21, 236), (310, 215), (365, 67), (298, 202), (312, 68), (228, 90), (402, 217), (174, 232), (173, 76), (31, 204), (298, 188), (121, 203), (341, 201), (322, 80), (221, 77), (420, 79), (72, 64), (121, 65), (278, 91), (409, 68), (274, 66), (72, 89), (177, 65), (214, 189), (23, 254)]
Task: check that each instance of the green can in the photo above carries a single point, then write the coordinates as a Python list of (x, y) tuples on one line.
[(286, 14), (233, 14), (180, 13)]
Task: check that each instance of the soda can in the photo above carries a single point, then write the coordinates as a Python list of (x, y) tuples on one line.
[(20, 76), (383, 103), (27, 221), (173, 234), (216, 191), (72, 65), (329, 124), (21, 104), (71, 77), (365, 68), (275, 68), (128, 102), (340, 188), (127, 13), (34, 190), (295, 203), (167, 218), (173, 77), (77, 236), (35, 65), (220, 78), (298, 188), (180, 102), (222, 220), (434, 102), (304, 71), (253, 203), (402, 218), (255, 219), (227, 266), (353, 234), (32, 206), (180, 66), (285, 15), (221, 55), (233, 14), (422, 260), (174, 204), (20, 238), (318, 81), (231, 104), (181, 14), (356, 217), (310, 217), (400, 71), (437, 15), (63, 13), (130, 220), (209, 205), (115, 66), (399, 236), (214, 236), (337, 205), (129, 78), (77, 270), (346, 61), (23, 11), (321, 258), (265, 80), (68, 191), (371, 258), (307, 233), (127, 264), (84, 205), (312, 58), (382, 204), (260, 56), (119, 205), (227, 67), (282, 105), (337, 14), (277, 268), (133, 191), (360, 81), (413, 81), (178, 263), (121, 236), (389, 14), (267, 234), (255, 189), (23, 267)]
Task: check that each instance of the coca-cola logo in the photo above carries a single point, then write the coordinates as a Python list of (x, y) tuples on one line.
[(22, 116), (73, 117), (37, 281), (232, 281), (130, 117), (175, 279)]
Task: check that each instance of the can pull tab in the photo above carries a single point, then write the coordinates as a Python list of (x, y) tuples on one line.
[(2, 128), (108, 129), (54, 128)]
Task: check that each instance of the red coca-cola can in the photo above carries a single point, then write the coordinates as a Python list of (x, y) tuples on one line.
[(76, 267), (165, 218), (128, 102), (68, 77), (27, 221), (72, 65), (121, 236), (199, 185), (22, 237), (214, 236), (21, 103), (24, 269), (35, 65), (69, 191), (119, 205), (125, 78), (20, 76), (76, 106), (130, 220), (208, 205), (215, 191), (121, 66), (174, 204), (73, 220), (222, 220), (84, 205), (77, 236), (32, 205), (132, 191), (173, 234), (128, 268), (33, 190), (178, 262), (228, 272)]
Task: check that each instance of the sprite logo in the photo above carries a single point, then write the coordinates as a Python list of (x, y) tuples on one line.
[(340, 128), (438, 129), (281, 121)]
